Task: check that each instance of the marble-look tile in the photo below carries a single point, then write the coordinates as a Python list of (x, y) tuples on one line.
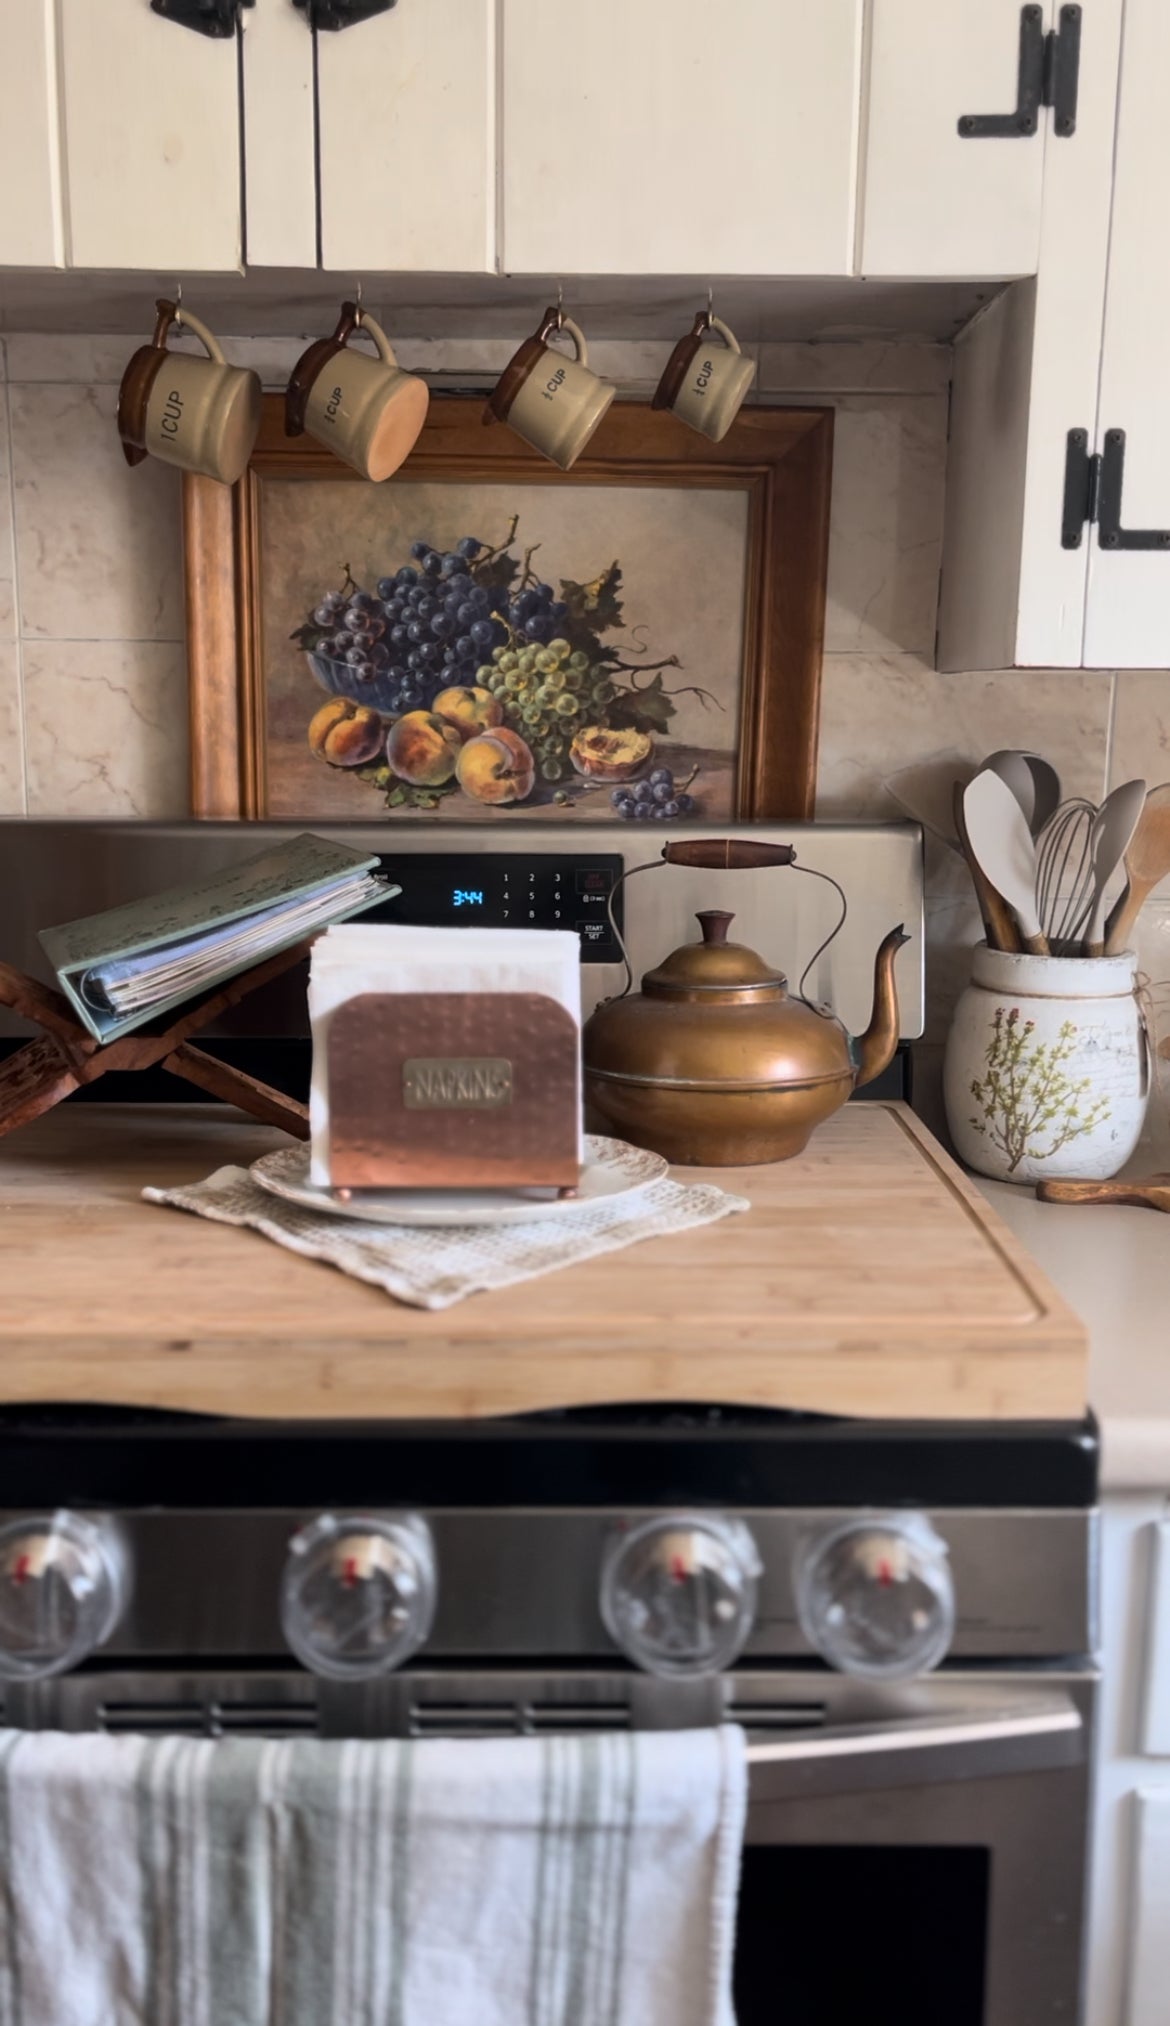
[(106, 728), (1141, 727), (870, 366), (12, 798), (98, 545), (7, 554), (895, 734), (885, 528)]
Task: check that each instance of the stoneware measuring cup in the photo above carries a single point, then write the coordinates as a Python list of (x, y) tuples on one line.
[(366, 409), (555, 403), (1047, 1069), (706, 378), (195, 412)]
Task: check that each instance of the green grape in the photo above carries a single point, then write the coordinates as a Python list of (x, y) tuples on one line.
[(526, 659), (543, 750), (579, 661), (530, 714), (551, 770), (547, 660), (574, 678), (602, 692), (498, 654), (507, 659), (555, 680), (511, 682), (484, 673), (556, 746), (567, 704), (560, 648), (546, 697)]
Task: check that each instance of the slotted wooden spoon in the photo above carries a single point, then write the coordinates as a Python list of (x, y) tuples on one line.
[(1147, 864), (1147, 1192)]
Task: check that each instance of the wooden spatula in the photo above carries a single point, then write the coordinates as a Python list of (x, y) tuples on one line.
[(999, 923), (1147, 864), (1001, 842), (1147, 1192)]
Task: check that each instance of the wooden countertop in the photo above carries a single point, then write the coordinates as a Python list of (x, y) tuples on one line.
[(870, 1277)]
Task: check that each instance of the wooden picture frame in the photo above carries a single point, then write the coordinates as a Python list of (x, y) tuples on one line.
[(780, 458)]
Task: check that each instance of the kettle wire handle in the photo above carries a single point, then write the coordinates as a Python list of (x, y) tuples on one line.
[(727, 854)]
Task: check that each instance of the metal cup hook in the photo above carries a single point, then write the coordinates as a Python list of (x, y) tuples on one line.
[(178, 302), (560, 306)]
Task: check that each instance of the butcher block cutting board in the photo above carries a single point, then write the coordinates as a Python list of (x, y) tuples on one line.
[(868, 1278)]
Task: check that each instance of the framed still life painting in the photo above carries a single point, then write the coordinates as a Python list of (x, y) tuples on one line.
[(487, 638)]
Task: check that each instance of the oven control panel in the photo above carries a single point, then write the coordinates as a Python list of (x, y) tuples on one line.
[(508, 890)]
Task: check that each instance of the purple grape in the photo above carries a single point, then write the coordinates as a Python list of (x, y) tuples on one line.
[(468, 546), (684, 804)]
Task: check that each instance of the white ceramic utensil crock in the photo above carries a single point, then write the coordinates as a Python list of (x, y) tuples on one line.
[(1047, 1068)]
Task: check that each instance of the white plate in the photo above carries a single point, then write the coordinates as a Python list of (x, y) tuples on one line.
[(611, 1168)]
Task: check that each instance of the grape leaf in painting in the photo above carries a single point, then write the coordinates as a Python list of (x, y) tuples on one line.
[(596, 605)]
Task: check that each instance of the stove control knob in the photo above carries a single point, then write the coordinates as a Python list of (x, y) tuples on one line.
[(678, 1594), (62, 1589), (358, 1596), (875, 1596)]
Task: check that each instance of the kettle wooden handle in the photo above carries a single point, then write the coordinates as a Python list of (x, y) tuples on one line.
[(727, 854)]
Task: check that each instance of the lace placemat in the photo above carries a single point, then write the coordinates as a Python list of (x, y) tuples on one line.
[(436, 1268)]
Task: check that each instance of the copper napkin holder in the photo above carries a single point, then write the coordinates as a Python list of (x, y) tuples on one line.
[(454, 1090)]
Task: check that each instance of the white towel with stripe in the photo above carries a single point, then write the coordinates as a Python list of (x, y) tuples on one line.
[(549, 1881)]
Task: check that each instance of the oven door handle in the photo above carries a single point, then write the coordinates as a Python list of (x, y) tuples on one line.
[(1031, 1734)]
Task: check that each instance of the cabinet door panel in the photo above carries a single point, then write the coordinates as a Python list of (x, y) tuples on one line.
[(1128, 616), (30, 181), (279, 136), (1150, 1958), (406, 110), (152, 141), (684, 140), (934, 203)]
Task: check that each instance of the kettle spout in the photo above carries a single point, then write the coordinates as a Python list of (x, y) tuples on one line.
[(875, 1048)]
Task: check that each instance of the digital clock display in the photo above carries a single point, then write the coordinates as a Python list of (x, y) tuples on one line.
[(508, 890)]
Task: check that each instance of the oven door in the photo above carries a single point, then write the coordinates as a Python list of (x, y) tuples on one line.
[(916, 1860)]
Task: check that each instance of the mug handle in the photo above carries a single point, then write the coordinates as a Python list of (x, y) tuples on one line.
[(385, 351), (565, 323), (185, 320), (729, 338)]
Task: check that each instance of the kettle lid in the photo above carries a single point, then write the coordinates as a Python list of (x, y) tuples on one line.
[(714, 965)]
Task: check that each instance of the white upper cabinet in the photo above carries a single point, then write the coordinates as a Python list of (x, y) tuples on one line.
[(1026, 373), (279, 136), (151, 116), (689, 139), (407, 139), (937, 201), (30, 181), (1128, 612)]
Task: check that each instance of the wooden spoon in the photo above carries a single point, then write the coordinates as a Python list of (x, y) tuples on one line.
[(999, 923), (1002, 843), (1147, 1192), (1147, 863)]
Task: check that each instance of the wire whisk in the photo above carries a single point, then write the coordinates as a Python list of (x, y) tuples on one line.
[(1064, 873)]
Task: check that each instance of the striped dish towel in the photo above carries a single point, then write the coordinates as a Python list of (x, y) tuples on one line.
[(553, 1881)]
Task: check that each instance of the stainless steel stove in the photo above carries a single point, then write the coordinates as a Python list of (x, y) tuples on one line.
[(902, 1617)]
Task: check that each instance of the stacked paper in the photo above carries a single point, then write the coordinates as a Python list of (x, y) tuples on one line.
[(368, 957)]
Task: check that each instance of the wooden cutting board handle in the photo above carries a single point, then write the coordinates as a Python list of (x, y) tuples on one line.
[(1151, 1192)]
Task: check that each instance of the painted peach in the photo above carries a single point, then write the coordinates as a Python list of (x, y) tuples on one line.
[(346, 734), (604, 755), (471, 710), (422, 749), (496, 767)]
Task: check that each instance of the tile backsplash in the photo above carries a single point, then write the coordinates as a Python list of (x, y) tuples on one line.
[(92, 675)]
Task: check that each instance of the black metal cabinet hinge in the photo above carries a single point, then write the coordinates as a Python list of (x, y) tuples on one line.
[(1092, 493), (334, 14), (1049, 66), (219, 18)]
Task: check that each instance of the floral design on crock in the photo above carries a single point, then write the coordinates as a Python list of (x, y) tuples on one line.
[(1028, 1093)]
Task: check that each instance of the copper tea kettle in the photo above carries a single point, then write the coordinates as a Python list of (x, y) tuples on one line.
[(714, 1063)]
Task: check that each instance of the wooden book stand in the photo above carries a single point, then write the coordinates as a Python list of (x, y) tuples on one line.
[(65, 1055)]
